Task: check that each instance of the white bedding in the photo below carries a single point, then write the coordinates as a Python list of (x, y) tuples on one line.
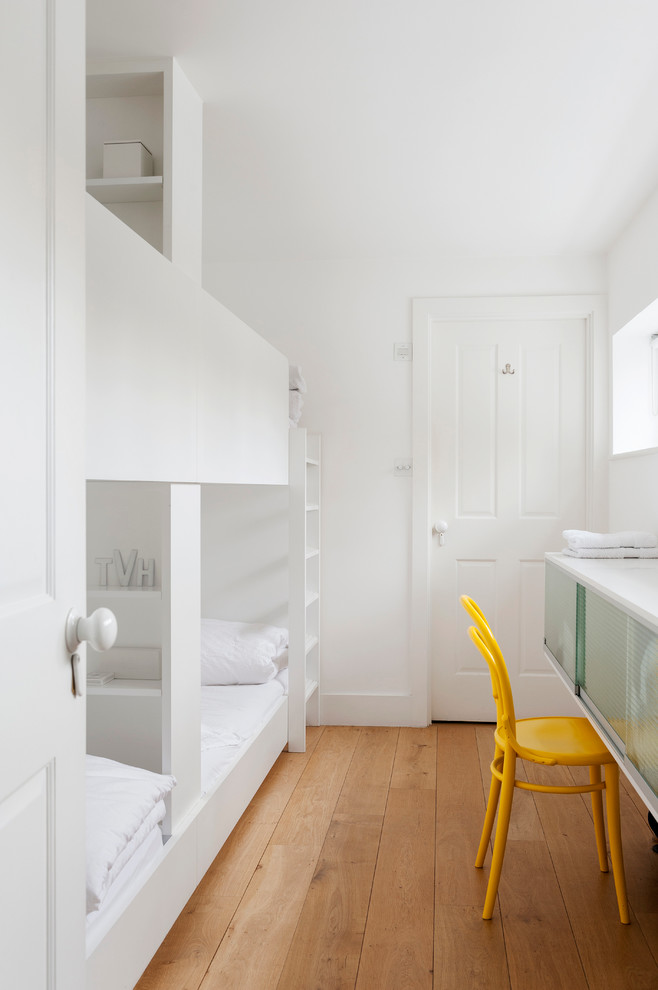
[(241, 652), (230, 716), (124, 805), (149, 850)]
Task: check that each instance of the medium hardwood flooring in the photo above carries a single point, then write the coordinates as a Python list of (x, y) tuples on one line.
[(352, 869)]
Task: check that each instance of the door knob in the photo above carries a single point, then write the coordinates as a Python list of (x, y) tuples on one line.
[(98, 629), (440, 528)]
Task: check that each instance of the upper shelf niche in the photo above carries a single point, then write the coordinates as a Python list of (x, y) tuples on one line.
[(152, 101)]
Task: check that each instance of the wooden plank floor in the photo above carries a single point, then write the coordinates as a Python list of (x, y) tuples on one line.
[(352, 869)]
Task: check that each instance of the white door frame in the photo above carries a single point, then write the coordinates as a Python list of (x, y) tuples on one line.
[(426, 312)]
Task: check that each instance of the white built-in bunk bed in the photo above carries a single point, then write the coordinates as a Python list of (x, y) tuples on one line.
[(187, 519)]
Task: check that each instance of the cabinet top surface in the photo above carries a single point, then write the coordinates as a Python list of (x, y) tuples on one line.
[(631, 583)]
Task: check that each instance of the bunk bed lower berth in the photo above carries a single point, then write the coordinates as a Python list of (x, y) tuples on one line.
[(244, 728)]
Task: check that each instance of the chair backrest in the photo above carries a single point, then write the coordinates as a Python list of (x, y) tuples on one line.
[(486, 642)]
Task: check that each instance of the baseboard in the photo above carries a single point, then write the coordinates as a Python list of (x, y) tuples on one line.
[(369, 709)]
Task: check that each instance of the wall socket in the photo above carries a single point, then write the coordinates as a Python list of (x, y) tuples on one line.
[(403, 352), (403, 468)]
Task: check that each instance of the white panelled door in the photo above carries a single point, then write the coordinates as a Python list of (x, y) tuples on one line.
[(42, 493), (508, 474)]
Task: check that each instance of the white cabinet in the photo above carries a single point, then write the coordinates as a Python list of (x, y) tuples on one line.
[(601, 636), (150, 100), (304, 592)]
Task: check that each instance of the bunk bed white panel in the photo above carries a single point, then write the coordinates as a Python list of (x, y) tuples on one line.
[(141, 357), (125, 728), (181, 649), (182, 231), (178, 388), (243, 414)]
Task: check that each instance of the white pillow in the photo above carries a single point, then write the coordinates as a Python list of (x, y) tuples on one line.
[(123, 804), (240, 652)]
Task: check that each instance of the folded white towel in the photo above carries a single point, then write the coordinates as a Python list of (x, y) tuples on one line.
[(580, 539), (295, 378), (617, 552), (295, 403)]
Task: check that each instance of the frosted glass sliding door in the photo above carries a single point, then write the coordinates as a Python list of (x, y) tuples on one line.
[(560, 619)]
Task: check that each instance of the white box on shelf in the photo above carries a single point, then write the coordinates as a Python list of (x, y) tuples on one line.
[(126, 160), (98, 679)]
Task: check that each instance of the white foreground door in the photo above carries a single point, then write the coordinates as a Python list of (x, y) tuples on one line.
[(42, 887), (508, 474)]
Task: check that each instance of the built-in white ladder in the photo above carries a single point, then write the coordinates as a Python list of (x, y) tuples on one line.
[(304, 587)]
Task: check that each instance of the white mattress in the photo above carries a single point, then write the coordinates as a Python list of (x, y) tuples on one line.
[(230, 717)]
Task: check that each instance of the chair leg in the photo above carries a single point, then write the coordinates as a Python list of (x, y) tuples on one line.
[(500, 841), (614, 833), (492, 804), (597, 812)]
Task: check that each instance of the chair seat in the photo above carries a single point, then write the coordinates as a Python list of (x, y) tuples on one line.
[(572, 741)]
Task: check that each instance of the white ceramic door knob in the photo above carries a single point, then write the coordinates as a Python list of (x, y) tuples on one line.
[(440, 528), (98, 629)]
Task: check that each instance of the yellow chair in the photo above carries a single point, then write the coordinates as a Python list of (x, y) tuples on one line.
[(552, 741)]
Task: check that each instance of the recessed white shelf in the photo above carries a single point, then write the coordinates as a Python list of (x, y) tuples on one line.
[(311, 552), (311, 596), (127, 688), (112, 592), (143, 189), (312, 508), (311, 688)]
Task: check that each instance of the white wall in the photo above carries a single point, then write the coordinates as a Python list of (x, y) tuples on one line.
[(339, 320), (633, 489), (633, 266), (633, 286), (244, 553)]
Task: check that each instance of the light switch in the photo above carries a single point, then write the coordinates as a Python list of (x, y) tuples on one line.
[(404, 468), (403, 352)]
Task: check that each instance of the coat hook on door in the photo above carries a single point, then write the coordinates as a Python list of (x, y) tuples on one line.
[(508, 369)]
